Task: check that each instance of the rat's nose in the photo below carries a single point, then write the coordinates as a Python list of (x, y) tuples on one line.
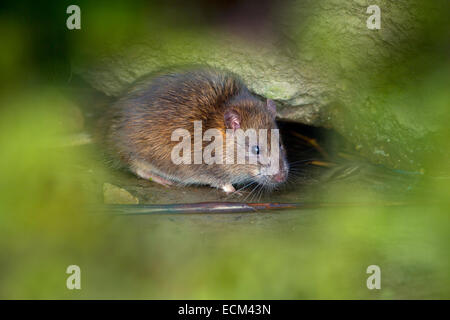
[(280, 176)]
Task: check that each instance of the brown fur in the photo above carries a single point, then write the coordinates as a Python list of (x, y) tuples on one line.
[(136, 131)]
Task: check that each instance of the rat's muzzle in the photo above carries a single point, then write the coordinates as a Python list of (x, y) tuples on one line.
[(280, 177)]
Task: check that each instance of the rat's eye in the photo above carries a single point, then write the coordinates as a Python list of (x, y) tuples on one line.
[(255, 149)]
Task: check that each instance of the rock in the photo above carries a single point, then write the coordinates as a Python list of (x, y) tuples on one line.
[(332, 72), (115, 195)]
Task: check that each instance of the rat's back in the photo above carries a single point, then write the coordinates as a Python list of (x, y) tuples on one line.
[(139, 125)]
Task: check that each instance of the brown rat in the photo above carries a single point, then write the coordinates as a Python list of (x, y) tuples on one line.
[(137, 130)]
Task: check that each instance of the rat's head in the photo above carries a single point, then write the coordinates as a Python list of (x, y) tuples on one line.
[(259, 154)]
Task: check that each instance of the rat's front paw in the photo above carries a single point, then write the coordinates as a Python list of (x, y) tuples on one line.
[(228, 188)]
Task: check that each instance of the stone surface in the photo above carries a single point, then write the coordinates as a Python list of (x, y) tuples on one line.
[(115, 195)]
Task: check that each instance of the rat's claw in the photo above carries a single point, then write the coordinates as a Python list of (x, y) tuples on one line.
[(236, 193)]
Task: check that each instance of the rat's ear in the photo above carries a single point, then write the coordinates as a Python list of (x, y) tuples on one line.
[(232, 119), (272, 107)]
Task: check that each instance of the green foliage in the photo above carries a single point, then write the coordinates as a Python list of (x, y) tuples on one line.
[(46, 223)]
